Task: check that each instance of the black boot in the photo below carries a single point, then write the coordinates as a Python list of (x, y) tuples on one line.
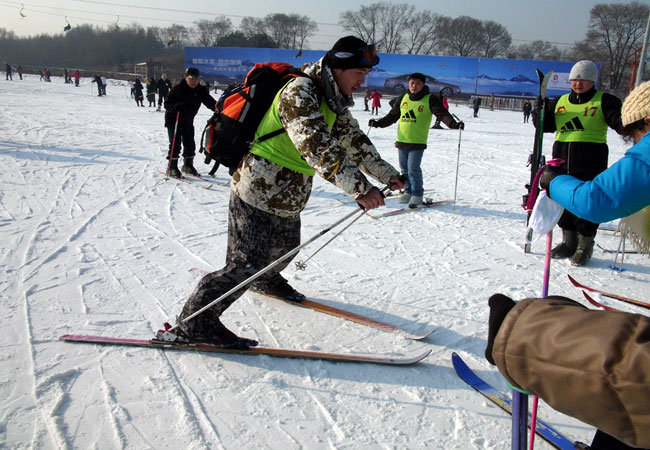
[(500, 306), (568, 246), (172, 170), (585, 248), (280, 288), (214, 334), (188, 167)]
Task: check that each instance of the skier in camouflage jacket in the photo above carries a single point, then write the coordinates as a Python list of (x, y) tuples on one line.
[(270, 191)]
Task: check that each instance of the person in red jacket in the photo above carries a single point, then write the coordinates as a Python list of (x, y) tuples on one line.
[(376, 102)]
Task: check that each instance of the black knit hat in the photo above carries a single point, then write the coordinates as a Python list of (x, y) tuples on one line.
[(192, 72), (350, 52), (418, 76)]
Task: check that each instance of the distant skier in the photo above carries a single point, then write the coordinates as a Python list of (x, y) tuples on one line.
[(77, 77), (137, 92), (477, 105), (97, 79), (8, 69), (527, 108), (163, 87), (376, 102), (151, 92)]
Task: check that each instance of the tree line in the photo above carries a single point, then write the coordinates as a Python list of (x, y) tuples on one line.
[(613, 38)]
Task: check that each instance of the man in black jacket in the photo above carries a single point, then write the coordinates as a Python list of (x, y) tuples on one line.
[(163, 86), (580, 120), (181, 107), (414, 110)]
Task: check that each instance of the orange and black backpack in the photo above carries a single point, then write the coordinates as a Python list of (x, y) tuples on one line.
[(229, 134)]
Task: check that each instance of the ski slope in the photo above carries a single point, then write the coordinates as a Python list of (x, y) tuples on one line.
[(95, 241)]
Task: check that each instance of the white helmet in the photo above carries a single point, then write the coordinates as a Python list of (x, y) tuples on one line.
[(584, 70)]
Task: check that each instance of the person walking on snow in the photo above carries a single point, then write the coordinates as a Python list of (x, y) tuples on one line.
[(273, 182), (414, 110), (137, 92), (376, 102), (527, 108), (163, 86), (580, 122), (477, 105), (8, 74), (183, 102)]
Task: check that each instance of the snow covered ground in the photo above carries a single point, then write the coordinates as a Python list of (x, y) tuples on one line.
[(95, 241)]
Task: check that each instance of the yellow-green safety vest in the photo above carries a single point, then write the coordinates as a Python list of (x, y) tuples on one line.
[(580, 123), (415, 120), (279, 149)]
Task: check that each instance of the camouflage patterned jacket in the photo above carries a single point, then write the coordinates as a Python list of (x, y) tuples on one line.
[(336, 155)]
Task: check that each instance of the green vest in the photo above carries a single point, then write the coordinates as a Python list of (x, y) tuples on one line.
[(279, 149), (580, 123), (415, 120)]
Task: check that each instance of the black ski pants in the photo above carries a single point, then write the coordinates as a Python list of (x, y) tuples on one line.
[(255, 240), (184, 136)]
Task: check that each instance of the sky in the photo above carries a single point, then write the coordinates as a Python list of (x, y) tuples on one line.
[(556, 21)]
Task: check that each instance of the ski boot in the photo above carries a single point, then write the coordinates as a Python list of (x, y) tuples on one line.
[(584, 251), (218, 335), (188, 167), (415, 201), (568, 246), (280, 288), (172, 170)]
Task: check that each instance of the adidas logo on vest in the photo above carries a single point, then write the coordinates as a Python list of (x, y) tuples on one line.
[(572, 125), (408, 116)]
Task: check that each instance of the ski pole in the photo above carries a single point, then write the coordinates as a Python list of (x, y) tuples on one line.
[(171, 153), (254, 277), (302, 265), (545, 283), (460, 133)]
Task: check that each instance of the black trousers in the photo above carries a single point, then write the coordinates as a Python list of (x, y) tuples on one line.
[(184, 136)]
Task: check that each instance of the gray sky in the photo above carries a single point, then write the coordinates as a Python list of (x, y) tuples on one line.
[(557, 21)]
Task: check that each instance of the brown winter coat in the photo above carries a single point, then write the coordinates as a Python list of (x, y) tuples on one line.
[(591, 365)]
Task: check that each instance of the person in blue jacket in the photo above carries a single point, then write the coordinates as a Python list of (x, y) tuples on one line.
[(623, 188)]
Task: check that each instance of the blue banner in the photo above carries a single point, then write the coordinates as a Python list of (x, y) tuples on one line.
[(456, 76)]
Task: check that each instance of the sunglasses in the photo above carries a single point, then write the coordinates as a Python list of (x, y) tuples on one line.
[(368, 55)]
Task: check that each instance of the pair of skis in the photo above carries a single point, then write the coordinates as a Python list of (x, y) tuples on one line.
[(283, 352), (620, 298), (536, 157)]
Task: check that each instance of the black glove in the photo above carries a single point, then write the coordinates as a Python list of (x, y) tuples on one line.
[(372, 123), (548, 174), (539, 103), (458, 125)]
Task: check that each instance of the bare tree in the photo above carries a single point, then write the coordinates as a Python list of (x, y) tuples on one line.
[(614, 32), (496, 39), (208, 32), (422, 37), (365, 23), (252, 26), (462, 36), (384, 24), (394, 22), (538, 50)]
